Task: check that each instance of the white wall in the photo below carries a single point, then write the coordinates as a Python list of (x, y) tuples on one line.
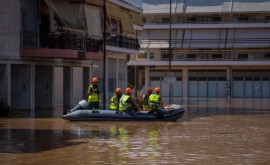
[(77, 84), (58, 85)]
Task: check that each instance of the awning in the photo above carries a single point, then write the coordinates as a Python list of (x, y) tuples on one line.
[(154, 44), (67, 14), (113, 11), (137, 18), (93, 21), (127, 22)]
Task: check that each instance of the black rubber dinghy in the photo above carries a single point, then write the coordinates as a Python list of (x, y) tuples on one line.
[(169, 113)]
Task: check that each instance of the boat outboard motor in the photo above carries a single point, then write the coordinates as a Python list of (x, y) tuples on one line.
[(82, 105)]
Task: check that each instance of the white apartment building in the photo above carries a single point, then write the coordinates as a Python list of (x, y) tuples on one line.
[(51, 49), (220, 48)]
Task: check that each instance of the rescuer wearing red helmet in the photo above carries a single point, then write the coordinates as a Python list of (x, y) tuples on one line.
[(94, 97), (115, 99), (144, 100), (126, 102), (156, 102)]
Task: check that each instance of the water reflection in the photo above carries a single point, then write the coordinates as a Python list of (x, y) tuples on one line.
[(213, 131), (202, 107)]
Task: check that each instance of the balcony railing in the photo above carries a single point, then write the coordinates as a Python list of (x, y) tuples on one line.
[(209, 41), (73, 42), (123, 42), (203, 58)]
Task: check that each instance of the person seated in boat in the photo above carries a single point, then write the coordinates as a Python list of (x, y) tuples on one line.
[(94, 97), (156, 102), (144, 100), (115, 99), (126, 102)]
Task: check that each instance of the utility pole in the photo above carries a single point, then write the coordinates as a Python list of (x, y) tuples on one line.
[(170, 40), (170, 54), (104, 55)]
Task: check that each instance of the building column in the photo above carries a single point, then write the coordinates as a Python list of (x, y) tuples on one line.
[(117, 70), (8, 74), (185, 82), (32, 88), (147, 77), (228, 82), (86, 81), (68, 88), (228, 73), (53, 88)]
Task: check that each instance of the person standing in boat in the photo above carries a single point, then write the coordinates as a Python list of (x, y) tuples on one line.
[(94, 97), (144, 100), (115, 99), (156, 102), (126, 102)]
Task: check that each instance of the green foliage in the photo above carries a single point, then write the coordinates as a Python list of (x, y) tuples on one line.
[(4, 109)]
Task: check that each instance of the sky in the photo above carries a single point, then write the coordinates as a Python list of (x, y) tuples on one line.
[(135, 2)]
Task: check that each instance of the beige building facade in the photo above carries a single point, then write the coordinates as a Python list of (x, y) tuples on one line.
[(51, 49), (219, 48)]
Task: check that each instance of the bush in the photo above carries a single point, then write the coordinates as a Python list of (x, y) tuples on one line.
[(4, 109)]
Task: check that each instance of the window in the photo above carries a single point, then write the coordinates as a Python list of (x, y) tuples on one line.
[(155, 78), (238, 78), (165, 54), (191, 56), (216, 18), (243, 18), (267, 18), (165, 20), (192, 78), (221, 78), (114, 26), (151, 55), (216, 55), (242, 56), (248, 78), (212, 78), (191, 19), (144, 19), (267, 56)]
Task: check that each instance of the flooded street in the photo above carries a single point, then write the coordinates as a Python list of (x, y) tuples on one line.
[(212, 131)]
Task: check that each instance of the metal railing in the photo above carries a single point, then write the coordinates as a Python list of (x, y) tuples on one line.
[(73, 42), (123, 42)]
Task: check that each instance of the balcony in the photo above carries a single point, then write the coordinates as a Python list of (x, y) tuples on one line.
[(60, 46), (123, 42), (71, 46), (201, 58)]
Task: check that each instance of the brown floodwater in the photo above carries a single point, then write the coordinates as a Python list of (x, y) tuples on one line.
[(212, 131)]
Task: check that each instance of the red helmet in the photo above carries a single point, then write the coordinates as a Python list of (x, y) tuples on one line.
[(150, 90), (118, 90), (157, 90), (128, 90), (95, 80)]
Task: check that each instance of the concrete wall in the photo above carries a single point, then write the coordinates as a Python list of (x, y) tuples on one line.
[(21, 88), (10, 28)]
